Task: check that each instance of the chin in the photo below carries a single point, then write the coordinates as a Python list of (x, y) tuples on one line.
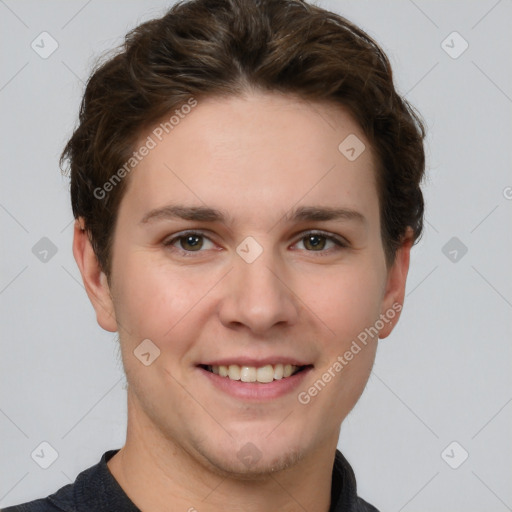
[(247, 462)]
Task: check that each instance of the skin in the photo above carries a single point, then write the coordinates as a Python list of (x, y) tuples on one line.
[(256, 158)]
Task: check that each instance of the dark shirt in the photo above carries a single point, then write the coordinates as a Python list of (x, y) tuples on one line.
[(96, 490)]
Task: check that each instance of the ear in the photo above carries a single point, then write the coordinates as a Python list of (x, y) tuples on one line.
[(95, 281), (394, 294)]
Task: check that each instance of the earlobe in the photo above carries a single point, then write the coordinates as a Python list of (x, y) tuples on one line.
[(94, 279), (394, 295)]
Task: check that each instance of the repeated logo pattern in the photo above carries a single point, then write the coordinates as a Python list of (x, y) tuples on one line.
[(432, 426)]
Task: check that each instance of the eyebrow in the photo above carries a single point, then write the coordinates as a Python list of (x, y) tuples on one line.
[(207, 214)]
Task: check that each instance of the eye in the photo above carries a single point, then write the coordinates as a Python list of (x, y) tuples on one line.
[(189, 242), (321, 242), (313, 241)]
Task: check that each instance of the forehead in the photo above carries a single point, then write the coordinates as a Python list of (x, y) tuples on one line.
[(252, 154)]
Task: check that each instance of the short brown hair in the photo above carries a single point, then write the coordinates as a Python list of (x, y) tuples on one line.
[(225, 47)]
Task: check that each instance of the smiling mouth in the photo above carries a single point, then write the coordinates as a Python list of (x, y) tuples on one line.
[(264, 374)]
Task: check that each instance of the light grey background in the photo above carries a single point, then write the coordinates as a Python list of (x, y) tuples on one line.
[(444, 374)]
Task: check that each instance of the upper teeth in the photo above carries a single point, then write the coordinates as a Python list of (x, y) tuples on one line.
[(252, 374)]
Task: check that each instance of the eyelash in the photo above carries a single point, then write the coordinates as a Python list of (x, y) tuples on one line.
[(341, 244)]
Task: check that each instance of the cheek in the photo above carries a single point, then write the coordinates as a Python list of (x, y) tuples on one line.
[(156, 302), (345, 302), (349, 306)]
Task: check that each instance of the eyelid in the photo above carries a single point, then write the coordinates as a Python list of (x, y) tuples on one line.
[(169, 242), (341, 242), (327, 234)]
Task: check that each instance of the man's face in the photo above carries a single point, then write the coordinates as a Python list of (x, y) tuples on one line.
[(260, 287)]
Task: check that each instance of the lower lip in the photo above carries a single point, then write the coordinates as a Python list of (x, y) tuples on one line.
[(256, 391)]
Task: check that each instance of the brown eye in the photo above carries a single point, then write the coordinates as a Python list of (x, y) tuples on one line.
[(191, 242), (188, 243), (321, 243), (315, 242)]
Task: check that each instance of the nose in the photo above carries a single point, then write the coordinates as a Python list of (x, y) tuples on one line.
[(259, 296)]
